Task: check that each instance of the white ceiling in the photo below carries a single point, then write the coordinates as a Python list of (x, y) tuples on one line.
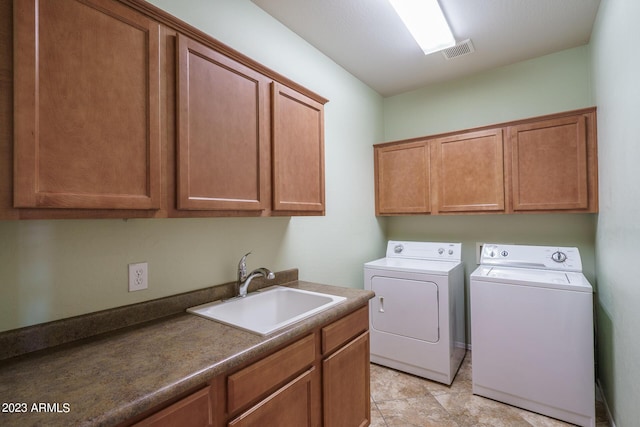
[(367, 38)]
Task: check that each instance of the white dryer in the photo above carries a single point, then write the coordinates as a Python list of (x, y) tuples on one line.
[(532, 331), (417, 322)]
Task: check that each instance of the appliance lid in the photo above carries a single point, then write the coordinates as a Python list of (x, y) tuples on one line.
[(437, 251), (537, 257), (413, 265), (568, 280)]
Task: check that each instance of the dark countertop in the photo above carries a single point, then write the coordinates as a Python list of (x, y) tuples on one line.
[(107, 379)]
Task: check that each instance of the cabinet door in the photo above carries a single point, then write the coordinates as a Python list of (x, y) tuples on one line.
[(298, 152), (402, 178), (345, 376), (549, 164), (290, 406), (192, 411), (467, 171), (223, 131), (87, 108)]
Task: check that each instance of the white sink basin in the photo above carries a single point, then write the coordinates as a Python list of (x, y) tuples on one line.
[(267, 311)]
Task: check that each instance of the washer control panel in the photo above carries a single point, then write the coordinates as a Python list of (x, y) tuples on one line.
[(543, 257), (424, 250)]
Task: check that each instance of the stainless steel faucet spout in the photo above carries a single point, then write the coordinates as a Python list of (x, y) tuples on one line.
[(242, 268), (244, 278)]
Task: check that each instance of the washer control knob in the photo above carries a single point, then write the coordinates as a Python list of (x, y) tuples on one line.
[(441, 251), (492, 254), (504, 254), (558, 256), (398, 249), (450, 251)]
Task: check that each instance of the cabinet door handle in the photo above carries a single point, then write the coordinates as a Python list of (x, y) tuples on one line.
[(381, 307)]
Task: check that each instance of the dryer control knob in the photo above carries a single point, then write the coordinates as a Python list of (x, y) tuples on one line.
[(441, 251), (398, 249), (558, 256), (450, 251)]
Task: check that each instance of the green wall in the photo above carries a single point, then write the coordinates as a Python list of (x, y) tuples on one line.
[(56, 269), (616, 69), (549, 84)]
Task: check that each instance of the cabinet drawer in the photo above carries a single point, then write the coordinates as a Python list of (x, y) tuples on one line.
[(341, 331), (289, 406), (194, 410), (255, 380)]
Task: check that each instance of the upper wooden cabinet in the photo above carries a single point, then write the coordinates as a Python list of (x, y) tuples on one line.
[(403, 182), (223, 131), (86, 106), (298, 151), (549, 164), (468, 170), (121, 110), (544, 164)]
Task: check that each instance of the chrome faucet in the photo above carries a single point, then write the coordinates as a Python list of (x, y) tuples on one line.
[(244, 278)]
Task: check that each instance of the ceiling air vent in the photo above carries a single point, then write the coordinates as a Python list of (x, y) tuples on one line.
[(461, 49)]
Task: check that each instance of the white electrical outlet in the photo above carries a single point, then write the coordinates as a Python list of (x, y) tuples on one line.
[(138, 276)]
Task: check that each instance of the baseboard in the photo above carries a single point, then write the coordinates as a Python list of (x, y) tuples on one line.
[(600, 394)]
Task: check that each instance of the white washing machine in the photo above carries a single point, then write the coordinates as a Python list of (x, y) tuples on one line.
[(417, 322), (532, 331)]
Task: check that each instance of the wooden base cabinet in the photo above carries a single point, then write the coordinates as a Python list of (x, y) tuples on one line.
[(321, 379), (346, 371)]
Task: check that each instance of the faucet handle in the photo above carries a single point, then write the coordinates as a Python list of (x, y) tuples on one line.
[(242, 267)]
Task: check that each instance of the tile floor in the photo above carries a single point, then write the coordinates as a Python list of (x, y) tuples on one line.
[(400, 399)]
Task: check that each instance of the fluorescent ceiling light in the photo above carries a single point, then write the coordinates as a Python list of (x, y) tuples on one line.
[(426, 22)]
